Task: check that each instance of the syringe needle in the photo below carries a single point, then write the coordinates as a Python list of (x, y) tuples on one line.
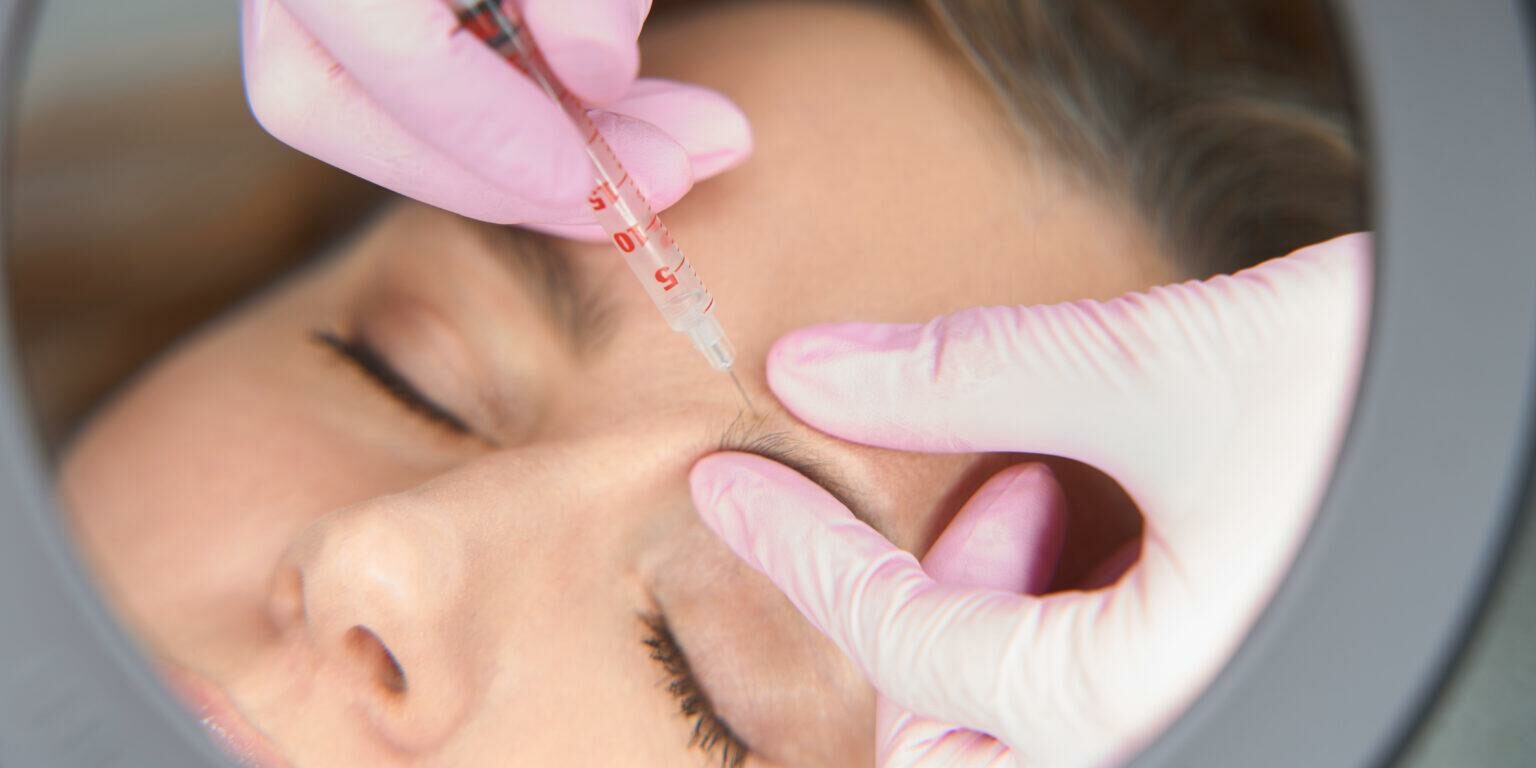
[(742, 391)]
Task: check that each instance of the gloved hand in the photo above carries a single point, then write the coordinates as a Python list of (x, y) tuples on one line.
[(397, 94), (1217, 405)]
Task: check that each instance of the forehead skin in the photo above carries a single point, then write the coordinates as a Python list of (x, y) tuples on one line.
[(886, 183), (885, 186)]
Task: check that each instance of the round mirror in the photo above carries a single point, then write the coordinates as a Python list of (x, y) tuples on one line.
[(366, 482)]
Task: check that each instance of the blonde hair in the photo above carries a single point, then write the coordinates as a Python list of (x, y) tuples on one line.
[(1226, 123)]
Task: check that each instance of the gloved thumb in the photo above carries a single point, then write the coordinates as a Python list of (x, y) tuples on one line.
[(1007, 537), (948, 653), (590, 45)]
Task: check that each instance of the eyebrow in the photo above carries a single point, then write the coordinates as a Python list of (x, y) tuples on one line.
[(802, 456), (539, 267)]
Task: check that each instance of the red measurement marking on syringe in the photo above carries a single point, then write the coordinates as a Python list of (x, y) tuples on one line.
[(666, 278), (628, 239), (601, 196)]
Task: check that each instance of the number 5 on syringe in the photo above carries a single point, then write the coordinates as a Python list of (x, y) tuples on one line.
[(602, 194)]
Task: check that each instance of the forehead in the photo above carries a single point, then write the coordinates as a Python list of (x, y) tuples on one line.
[(878, 160), (887, 183)]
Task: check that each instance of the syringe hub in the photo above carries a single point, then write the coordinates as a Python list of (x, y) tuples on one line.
[(709, 338)]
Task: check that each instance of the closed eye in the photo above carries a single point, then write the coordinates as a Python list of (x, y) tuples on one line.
[(710, 733), (365, 358)]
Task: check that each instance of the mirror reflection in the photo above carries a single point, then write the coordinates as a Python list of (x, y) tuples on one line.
[(378, 481)]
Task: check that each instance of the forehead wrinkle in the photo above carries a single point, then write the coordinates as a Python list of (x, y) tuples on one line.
[(536, 264), (753, 435)]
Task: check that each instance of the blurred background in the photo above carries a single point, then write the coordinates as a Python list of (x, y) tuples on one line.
[(146, 196), (147, 200)]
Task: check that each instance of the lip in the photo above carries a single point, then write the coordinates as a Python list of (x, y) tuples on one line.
[(221, 719)]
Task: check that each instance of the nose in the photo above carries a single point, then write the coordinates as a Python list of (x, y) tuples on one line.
[(376, 591)]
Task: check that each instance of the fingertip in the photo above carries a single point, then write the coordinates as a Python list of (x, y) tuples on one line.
[(1008, 536), (1036, 480), (732, 492), (709, 478), (723, 141), (736, 477), (592, 50), (658, 163), (828, 343), (837, 377), (596, 70), (713, 130)]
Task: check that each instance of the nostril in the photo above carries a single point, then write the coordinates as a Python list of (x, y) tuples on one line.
[(372, 655)]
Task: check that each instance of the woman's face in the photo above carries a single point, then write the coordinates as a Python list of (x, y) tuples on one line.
[(490, 557)]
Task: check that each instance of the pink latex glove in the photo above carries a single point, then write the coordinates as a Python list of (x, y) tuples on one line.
[(393, 92), (1219, 407)]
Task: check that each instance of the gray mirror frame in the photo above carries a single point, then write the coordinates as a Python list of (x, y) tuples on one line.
[(1395, 570), (74, 691), (1356, 641)]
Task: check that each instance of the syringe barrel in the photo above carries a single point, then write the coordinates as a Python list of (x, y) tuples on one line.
[(645, 244), (615, 201)]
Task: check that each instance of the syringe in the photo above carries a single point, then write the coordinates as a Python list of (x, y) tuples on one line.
[(616, 202)]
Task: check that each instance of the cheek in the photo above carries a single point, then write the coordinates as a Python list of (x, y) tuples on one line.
[(184, 492)]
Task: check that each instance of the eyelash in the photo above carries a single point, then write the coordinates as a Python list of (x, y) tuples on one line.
[(366, 359), (710, 733)]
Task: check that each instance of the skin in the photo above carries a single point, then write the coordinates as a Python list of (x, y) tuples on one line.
[(252, 500)]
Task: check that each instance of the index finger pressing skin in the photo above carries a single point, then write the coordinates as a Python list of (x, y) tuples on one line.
[(1145, 386), (953, 654)]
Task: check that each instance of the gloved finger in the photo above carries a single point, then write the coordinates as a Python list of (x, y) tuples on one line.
[(709, 126), (591, 45), (306, 99), (981, 659), (447, 88), (1008, 536), (911, 741), (1091, 380), (660, 166)]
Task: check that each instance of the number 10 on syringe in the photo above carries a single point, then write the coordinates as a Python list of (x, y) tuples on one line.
[(651, 253)]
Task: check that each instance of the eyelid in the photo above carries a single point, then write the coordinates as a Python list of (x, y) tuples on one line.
[(433, 352), (378, 368), (710, 730)]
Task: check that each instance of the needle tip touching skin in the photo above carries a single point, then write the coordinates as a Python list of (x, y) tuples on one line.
[(745, 400)]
